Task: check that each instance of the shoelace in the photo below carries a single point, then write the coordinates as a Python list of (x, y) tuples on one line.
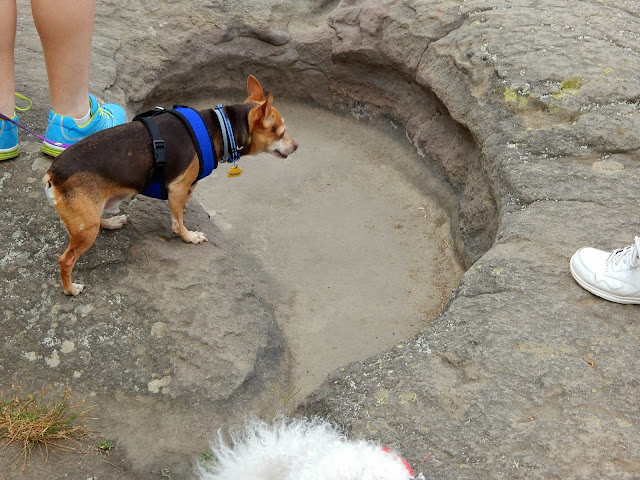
[(107, 115), (625, 256), (104, 113), (22, 97), (17, 108)]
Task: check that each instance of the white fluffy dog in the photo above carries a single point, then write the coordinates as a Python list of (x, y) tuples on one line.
[(299, 449)]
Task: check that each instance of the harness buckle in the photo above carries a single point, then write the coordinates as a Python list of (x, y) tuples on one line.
[(159, 145)]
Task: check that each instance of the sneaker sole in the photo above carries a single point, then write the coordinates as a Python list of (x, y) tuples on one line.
[(10, 154), (51, 149), (603, 294)]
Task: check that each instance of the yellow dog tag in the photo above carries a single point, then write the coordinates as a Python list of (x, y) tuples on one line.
[(234, 172)]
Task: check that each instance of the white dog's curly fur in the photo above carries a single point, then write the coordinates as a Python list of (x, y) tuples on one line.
[(299, 449)]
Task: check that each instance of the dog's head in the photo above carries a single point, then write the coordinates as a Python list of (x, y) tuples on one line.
[(268, 131)]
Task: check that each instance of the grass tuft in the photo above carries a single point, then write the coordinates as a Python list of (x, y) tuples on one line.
[(31, 422), (286, 397)]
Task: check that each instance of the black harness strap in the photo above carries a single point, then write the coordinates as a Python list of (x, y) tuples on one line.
[(156, 175), (199, 132)]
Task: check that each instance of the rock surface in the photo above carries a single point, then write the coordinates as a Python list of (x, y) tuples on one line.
[(529, 109), (524, 375)]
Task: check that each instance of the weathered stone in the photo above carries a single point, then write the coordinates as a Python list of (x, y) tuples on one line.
[(524, 374)]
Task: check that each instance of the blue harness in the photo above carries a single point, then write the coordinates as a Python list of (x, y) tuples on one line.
[(201, 137)]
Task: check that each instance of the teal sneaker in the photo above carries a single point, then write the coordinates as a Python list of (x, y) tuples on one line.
[(62, 132), (9, 139), (9, 132)]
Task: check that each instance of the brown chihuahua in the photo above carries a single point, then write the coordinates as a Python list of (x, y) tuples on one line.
[(93, 176)]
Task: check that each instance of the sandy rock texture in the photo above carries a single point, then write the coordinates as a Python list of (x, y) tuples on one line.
[(528, 109), (524, 375)]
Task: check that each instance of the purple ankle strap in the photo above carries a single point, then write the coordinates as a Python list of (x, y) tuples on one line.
[(57, 144)]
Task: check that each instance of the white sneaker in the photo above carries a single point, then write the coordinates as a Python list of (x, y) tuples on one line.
[(614, 276)]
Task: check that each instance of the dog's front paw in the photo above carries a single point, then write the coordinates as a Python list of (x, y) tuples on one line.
[(195, 237), (76, 289)]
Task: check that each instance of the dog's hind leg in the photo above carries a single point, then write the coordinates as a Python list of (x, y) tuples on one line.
[(179, 193), (80, 240), (112, 206), (113, 223), (81, 215)]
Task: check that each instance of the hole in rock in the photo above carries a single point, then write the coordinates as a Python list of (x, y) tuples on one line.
[(348, 240)]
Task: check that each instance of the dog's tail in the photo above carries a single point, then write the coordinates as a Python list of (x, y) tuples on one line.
[(49, 189)]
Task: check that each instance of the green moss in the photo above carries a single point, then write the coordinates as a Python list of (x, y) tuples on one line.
[(406, 398), (510, 95), (571, 85)]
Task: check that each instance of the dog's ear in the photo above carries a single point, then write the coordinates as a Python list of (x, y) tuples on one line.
[(266, 109), (254, 90), (262, 114)]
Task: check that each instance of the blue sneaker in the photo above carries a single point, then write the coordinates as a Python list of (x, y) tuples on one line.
[(62, 132), (9, 132), (8, 139)]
